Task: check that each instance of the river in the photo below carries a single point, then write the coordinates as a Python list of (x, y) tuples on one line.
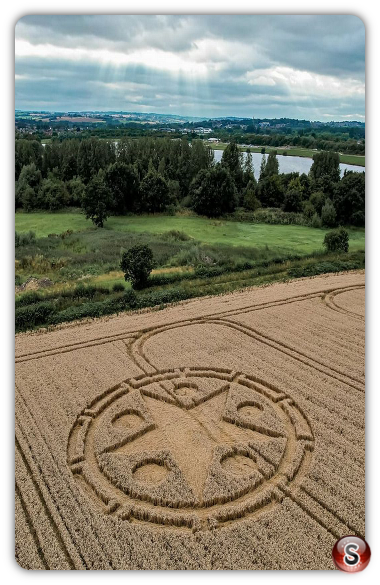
[(289, 164)]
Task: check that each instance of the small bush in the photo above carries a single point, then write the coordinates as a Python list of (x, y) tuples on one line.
[(316, 221), (171, 209), (175, 235), (24, 239), (336, 240), (118, 287), (65, 234), (313, 269), (137, 264), (32, 315)]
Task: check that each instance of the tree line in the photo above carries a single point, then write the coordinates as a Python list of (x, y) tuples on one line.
[(148, 175)]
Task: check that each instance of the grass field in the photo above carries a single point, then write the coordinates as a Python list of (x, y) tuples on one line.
[(193, 257), (285, 237)]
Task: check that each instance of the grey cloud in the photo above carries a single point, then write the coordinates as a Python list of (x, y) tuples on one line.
[(331, 44), (325, 45)]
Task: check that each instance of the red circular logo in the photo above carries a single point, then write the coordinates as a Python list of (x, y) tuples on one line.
[(351, 554)]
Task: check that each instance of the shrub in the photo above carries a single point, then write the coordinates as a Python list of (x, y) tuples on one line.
[(250, 200), (25, 239), (175, 235), (118, 287), (313, 269), (336, 240), (32, 315), (137, 264), (171, 209), (316, 221), (308, 209)]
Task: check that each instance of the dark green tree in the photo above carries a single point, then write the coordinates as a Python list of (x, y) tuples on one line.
[(293, 201), (328, 214), (250, 200), (232, 159), (53, 194), (28, 186), (317, 199), (270, 191), (96, 200), (154, 193), (75, 191), (201, 157), (248, 171), (271, 167), (26, 153), (325, 172), (349, 199), (137, 264), (213, 192), (262, 167), (123, 183)]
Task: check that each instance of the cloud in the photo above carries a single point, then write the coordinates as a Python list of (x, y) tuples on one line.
[(201, 65)]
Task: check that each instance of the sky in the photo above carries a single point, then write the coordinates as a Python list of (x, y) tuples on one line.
[(306, 67)]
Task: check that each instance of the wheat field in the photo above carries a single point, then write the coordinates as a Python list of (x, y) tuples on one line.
[(221, 433)]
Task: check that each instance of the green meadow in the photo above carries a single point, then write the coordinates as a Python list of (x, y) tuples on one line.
[(292, 238)]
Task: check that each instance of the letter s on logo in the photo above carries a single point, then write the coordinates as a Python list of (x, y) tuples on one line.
[(351, 558)]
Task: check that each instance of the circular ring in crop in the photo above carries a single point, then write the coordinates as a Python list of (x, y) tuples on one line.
[(195, 448)]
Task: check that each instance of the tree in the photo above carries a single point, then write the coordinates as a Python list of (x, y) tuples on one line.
[(75, 191), (137, 264), (154, 193), (94, 155), (308, 209), (26, 153), (248, 170), (325, 171), (53, 194), (272, 166), (328, 214), (96, 200), (349, 199), (28, 186), (123, 183), (28, 198), (270, 191), (232, 160), (262, 167), (293, 201), (250, 200), (325, 163), (317, 199), (213, 192), (336, 240)]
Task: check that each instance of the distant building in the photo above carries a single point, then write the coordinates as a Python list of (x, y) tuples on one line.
[(202, 130), (214, 140)]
